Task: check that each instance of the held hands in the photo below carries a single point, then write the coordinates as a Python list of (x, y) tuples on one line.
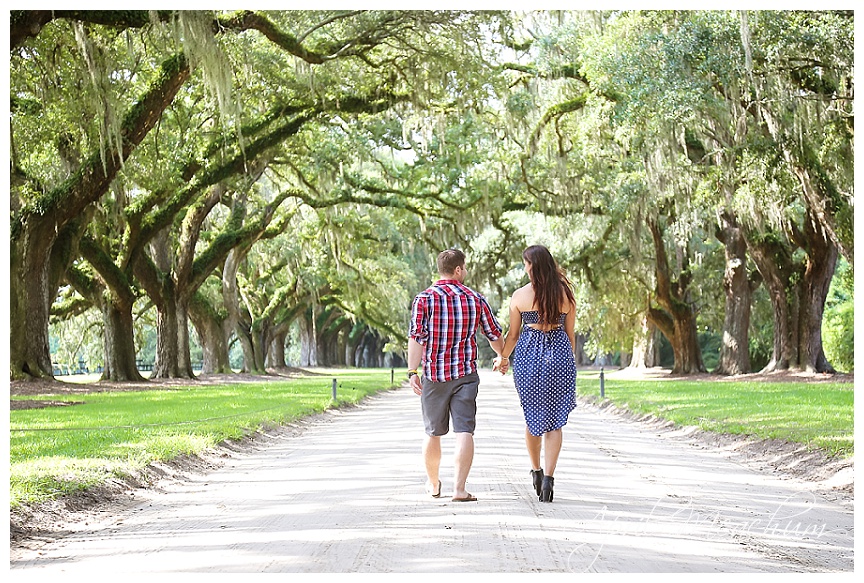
[(501, 363)]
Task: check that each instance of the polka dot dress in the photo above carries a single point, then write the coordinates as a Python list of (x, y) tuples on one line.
[(544, 372)]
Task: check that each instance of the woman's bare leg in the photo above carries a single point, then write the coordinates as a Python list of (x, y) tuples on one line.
[(553, 441), (533, 443)]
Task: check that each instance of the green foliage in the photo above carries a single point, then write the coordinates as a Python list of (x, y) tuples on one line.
[(761, 330), (639, 59), (521, 104), (77, 339), (709, 342), (399, 133), (838, 325)]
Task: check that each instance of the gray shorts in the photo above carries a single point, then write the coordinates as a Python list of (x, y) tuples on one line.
[(456, 399)]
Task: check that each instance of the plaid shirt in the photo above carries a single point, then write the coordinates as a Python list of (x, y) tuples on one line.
[(444, 319)]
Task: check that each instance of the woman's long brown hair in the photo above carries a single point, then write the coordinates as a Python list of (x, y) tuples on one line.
[(550, 284)]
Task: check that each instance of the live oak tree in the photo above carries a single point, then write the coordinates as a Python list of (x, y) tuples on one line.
[(382, 43), (802, 99), (688, 79), (46, 204), (680, 159), (585, 169)]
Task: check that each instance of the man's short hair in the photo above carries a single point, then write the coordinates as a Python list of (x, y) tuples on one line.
[(449, 260)]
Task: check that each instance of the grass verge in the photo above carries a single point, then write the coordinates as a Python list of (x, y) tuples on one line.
[(60, 450), (819, 415)]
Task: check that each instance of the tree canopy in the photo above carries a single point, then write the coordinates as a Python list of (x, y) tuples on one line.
[(280, 182)]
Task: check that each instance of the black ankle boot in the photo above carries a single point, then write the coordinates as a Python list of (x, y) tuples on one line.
[(537, 479), (546, 490)]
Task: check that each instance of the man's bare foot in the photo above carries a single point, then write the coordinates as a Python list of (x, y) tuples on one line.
[(434, 492)]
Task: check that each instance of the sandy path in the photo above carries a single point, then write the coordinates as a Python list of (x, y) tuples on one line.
[(346, 495)]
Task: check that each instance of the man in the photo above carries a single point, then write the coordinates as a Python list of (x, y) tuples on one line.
[(444, 320)]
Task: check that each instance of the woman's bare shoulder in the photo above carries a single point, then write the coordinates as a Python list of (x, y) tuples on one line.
[(522, 297)]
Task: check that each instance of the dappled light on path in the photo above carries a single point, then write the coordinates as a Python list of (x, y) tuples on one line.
[(346, 494)]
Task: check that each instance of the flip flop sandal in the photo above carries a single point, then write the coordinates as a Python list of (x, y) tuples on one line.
[(468, 498), (433, 493)]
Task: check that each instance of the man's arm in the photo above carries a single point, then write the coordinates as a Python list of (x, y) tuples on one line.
[(497, 345), (417, 329), (490, 327), (415, 354)]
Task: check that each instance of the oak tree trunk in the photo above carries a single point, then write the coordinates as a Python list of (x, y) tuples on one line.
[(119, 339), (581, 358), (115, 297), (213, 333), (167, 364), (675, 318), (276, 352), (819, 269), (308, 341), (735, 344), (773, 258), (688, 354), (172, 332), (798, 292), (30, 356), (646, 346), (260, 337), (239, 319)]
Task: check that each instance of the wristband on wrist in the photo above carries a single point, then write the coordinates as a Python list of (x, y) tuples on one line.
[(411, 373)]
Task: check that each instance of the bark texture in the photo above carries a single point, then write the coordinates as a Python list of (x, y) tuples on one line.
[(646, 346), (675, 317), (738, 290), (798, 291), (34, 231)]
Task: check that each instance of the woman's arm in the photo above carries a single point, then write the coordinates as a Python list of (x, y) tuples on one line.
[(570, 326), (502, 363), (513, 330)]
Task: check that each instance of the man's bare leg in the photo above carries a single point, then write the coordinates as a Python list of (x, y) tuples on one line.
[(432, 459), (464, 459)]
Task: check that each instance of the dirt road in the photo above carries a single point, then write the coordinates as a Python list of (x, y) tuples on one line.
[(345, 494)]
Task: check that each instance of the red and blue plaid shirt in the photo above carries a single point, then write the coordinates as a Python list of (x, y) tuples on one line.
[(444, 319)]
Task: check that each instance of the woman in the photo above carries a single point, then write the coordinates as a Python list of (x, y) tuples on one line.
[(544, 369)]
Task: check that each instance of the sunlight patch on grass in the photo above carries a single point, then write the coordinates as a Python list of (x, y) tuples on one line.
[(815, 414), (47, 478), (58, 450)]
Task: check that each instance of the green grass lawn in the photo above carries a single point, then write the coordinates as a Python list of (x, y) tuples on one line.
[(819, 415), (59, 450)]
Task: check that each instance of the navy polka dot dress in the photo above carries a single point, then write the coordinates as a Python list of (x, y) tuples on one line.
[(544, 372)]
